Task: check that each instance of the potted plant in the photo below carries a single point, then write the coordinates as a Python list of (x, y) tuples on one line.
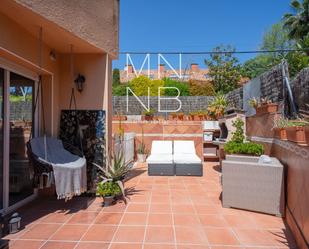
[(141, 153), (180, 116), (191, 115), (108, 189), (263, 106), (173, 116), (238, 145), (296, 132), (217, 107), (148, 115), (279, 128), (114, 171)]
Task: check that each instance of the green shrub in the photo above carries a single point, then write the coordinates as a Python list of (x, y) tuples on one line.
[(108, 188), (249, 148), (238, 135), (139, 86), (182, 87), (120, 90), (217, 107), (201, 88), (116, 76)]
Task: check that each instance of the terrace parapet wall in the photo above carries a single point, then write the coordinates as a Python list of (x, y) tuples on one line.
[(295, 159), (163, 130)]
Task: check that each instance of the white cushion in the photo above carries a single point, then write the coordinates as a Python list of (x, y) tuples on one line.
[(264, 159), (186, 158), (162, 147), (160, 158), (184, 147)]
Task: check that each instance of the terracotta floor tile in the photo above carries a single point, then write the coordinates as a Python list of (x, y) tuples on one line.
[(59, 245), (160, 246), (100, 233), (134, 219), (92, 245), (192, 247), (58, 217), (183, 209), (70, 232), (160, 219), (137, 208), (116, 208), (186, 220), (83, 218), (108, 218), (159, 234), (213, 220), (125, 246), (206, 209), (187, 235), (129, 234), (221, 236), (233, 247), (254, 237), (160, 208), (160, 199), (240, 221), (26, 244), (41, 231)]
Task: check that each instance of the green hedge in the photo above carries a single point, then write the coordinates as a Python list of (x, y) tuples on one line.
[(249, 148)]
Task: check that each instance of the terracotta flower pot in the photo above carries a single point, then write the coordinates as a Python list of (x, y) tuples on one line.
[(180, 117), (307, 133), (148, 117), (297, 135), (267, 108), (191, 117), (120, 118), (280, 133), (196, 118)]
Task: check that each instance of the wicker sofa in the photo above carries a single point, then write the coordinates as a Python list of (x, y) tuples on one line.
[(248, 184)]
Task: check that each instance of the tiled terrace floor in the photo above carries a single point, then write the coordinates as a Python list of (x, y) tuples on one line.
[(163, 213)]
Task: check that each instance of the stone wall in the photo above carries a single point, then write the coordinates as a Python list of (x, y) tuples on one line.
[(272, 84), (300, 88), (235, 98), (21, 110), (189, 104)]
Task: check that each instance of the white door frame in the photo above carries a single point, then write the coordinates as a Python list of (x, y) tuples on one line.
[(8, 68)]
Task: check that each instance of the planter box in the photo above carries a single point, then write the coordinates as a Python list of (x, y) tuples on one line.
[(119, 118), (297, 135), (269, 108), (280, 133)]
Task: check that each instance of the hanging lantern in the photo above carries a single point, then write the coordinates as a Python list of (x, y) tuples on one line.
[(14, 223), (79, 82)]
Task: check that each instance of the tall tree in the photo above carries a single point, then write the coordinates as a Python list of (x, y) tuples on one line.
[(116, 76), (224, 69), (297, 23)]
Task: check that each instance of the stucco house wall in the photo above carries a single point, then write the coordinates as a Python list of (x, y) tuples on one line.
[(95, 42)]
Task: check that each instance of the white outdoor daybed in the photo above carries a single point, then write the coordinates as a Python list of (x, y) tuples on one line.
[(185, 159), (160, 162)]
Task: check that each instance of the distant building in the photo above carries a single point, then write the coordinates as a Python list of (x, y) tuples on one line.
[(193, 73)]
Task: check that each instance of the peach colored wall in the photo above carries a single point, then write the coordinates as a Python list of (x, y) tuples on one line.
[(95, 21), (21, 47), (17, 42)]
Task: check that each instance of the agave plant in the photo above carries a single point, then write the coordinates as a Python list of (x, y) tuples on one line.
[(115, 169)]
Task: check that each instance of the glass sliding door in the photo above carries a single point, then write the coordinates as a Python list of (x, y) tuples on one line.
[(1, 135), (21, 100)]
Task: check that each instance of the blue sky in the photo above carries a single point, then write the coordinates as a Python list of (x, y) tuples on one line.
[(194, 25)]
